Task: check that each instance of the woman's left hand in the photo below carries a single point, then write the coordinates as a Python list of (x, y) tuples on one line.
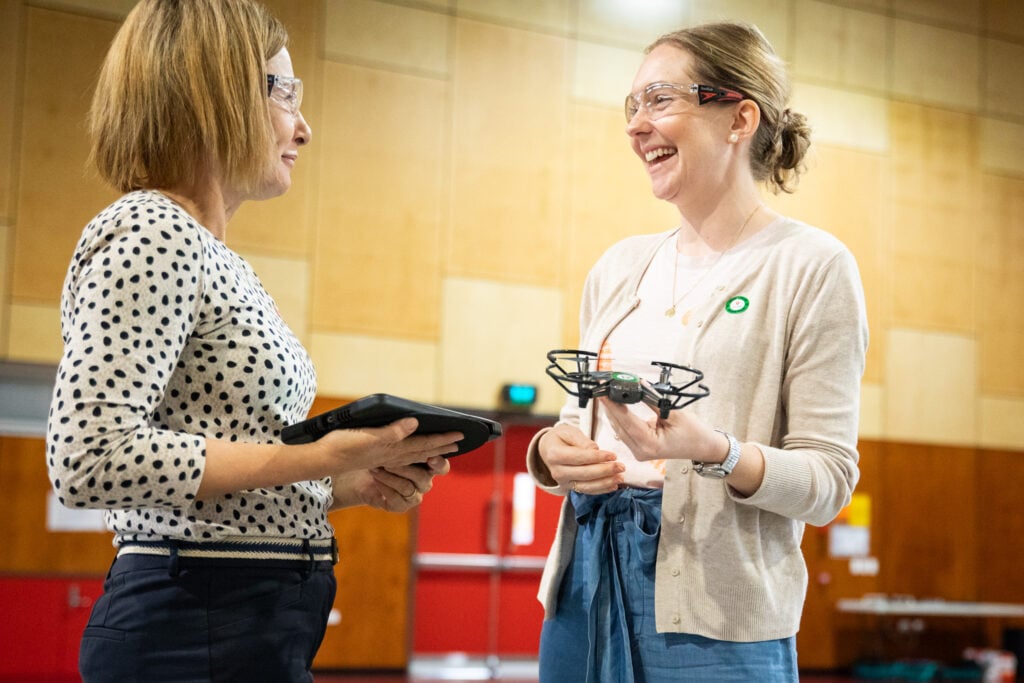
[(393, 489), (680, 435)]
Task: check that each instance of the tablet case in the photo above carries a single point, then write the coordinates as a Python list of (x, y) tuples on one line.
[(378, 410)]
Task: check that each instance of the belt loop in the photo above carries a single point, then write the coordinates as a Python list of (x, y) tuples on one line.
[(312, 557), (172, 565), (334, 550)]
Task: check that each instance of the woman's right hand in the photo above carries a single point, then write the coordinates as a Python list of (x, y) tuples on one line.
[(577, 464), (393, 445)]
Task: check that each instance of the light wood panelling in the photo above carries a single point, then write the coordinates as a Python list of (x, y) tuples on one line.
[(110, 9), (841, 45), (34, 333), (509, 154), (1001, 147), (287, 281), (936, 65), (6, 236), (773, 17), (1003, 92), (931, 387), (631, 24), (963, 14), (610, 197), (396, 37), (10, 55), (57, 195), (872, 411), (822, 199), (603, 74), (543, 15), (1002, 423), (1000, 288), (495, 333), (936, 201), (353, 365), (376, 265), (844, 118)]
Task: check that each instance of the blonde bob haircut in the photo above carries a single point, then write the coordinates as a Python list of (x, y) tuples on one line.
[(183, 89)]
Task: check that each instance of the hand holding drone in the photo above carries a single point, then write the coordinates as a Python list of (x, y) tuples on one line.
[(623, 387)]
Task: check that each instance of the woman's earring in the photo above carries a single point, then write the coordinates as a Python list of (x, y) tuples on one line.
[(734, 138)]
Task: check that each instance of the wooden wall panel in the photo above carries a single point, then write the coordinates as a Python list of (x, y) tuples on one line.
[(377, 262), (509, 154), (999, 526), (936, 195), (28, 548), (10, 63), (927, 521), (57, 194), (1000, 288)]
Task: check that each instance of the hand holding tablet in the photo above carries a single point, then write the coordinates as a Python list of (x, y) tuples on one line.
[(377, 410)]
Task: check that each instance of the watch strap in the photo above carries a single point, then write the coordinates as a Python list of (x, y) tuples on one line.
[(725, 468)]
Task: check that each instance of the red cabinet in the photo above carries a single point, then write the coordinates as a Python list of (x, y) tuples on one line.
[(42, 626), (475, 588)]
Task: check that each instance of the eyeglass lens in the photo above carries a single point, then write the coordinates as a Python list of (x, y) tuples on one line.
[(286, 91)]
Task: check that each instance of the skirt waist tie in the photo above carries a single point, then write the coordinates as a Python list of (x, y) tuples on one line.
[(608, 525)]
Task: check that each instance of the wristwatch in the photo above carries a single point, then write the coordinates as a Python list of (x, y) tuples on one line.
[(724, 468)]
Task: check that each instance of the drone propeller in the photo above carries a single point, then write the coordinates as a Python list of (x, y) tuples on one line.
[(586, 381), (672, 396)]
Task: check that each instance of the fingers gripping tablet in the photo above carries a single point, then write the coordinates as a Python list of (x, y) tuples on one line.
[(378, 410)]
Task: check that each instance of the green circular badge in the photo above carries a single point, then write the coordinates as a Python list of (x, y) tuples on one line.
[(737, 304)]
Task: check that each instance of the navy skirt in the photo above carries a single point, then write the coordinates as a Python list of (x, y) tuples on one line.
[(158, 620)]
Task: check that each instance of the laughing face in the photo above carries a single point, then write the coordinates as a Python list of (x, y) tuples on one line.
[(685, 149)]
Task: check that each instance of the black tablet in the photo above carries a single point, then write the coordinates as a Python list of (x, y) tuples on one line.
[(378, 410)]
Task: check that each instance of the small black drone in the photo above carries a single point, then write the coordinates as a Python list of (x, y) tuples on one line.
[(623, 387)]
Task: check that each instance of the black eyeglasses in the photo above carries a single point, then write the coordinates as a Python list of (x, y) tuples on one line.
[(285, 91), (665, 99)]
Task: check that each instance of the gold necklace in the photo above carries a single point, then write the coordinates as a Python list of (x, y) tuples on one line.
[(670, 312)]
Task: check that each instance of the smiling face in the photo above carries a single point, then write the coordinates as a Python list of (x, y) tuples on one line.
[(290, 132), (687, 154)]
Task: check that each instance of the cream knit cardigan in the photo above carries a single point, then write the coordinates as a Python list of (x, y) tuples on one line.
[(784, 373)]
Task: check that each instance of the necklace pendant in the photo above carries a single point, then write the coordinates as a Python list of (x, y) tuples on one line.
[(670, 312), (686, 317)]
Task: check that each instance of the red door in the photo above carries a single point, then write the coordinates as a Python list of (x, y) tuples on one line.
[(476, 589)]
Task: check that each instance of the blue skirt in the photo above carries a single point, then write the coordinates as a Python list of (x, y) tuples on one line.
[(603, 630)]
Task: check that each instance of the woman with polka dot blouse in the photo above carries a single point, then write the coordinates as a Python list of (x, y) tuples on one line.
[(179, 374)]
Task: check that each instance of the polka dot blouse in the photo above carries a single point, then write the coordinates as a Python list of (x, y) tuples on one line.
[(169, 338)]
